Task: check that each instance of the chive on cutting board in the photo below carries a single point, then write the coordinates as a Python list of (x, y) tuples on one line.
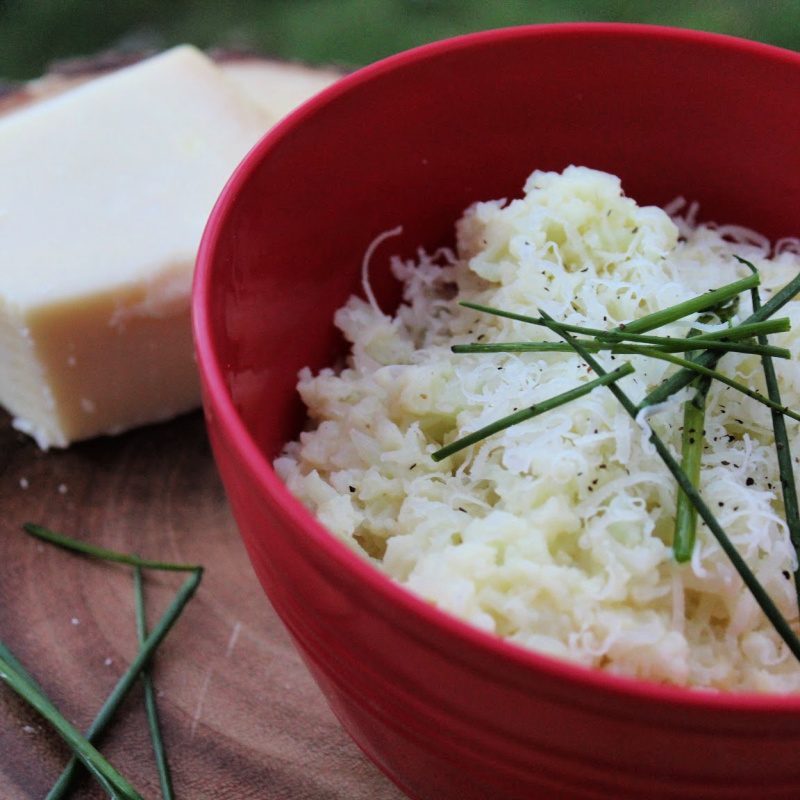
[(241, 717)]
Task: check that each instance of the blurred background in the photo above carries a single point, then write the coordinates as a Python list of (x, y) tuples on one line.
[(33, 33)]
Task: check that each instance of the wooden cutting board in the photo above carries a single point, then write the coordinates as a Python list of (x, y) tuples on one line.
[(241, 716)]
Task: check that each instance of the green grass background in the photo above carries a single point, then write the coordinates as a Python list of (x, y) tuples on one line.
[(34, 33)]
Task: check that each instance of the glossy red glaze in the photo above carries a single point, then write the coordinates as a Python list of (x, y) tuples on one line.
[(445, 710)]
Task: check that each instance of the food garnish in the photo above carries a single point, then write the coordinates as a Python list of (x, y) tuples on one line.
[(159, 752), (788, 486), (709, 359), (688, 474), (531, 412), (18, 679), (14, 675), (563, 532)]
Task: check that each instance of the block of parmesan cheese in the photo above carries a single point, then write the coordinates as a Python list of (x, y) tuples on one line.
[(104, 192), (279, 87)]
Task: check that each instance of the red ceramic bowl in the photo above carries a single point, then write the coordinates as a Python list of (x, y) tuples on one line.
[(445, 710)]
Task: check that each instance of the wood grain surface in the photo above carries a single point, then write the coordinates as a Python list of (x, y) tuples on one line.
[(241, 716)]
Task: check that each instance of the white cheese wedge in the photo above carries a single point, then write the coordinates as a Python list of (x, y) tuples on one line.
[(277, 86), (104, 192)]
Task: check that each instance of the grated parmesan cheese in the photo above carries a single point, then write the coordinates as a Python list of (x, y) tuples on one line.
[(556, 533)]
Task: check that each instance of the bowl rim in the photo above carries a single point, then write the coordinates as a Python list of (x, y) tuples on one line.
[(220, 402)]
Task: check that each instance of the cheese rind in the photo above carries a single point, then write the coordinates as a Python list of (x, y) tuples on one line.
[(104, 194)]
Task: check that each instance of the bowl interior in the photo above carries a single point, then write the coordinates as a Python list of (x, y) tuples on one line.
[(415, 139)]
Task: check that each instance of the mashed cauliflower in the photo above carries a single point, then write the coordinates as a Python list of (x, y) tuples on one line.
[(556, 533)]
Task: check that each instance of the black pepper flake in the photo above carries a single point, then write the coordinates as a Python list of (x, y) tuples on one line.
[(725, 463), (413, 465), (750, 481), (464, 510), (352, 489), (786, 574)]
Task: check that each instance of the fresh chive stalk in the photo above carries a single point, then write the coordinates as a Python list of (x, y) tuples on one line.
[(694, 413), (623, 348), (12, 662), (693, 365), (733, 334), (130, 675), (531, 412), (159, 751), (694, 421), (702, 302), (746, 330), (147, 647), (763, 599), (782, 446), (499, 312), (16, 677), (684, 377), (77, 546)]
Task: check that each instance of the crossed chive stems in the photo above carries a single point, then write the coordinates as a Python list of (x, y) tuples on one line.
[(14, 674), (697, 371)]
